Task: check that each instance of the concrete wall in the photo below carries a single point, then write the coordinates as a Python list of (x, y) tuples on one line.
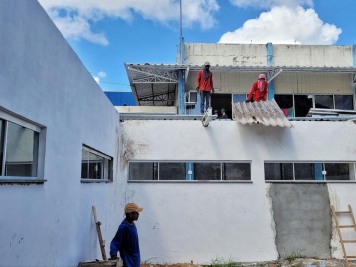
[(42, 80), (312, 55), (303, 222), (225, 54), (202, 221)]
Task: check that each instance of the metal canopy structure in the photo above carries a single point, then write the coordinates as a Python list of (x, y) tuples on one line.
[(156, 84)]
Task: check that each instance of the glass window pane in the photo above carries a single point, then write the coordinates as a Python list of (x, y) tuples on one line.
[(85, 163), (337, 171), (344, 102), (324, 101), (207, 171), (21, 151), (171, 171), (304, 171), (95, 166), (143, 171), (279, 171), (237, 171), (302, 105)]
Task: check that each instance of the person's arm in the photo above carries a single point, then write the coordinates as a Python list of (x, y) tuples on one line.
[(253, 89), (116, 243), (212, 83), (198, 80)]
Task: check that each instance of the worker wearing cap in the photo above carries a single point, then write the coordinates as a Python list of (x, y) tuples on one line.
[(259, 90), (205, 86), (223, 114), (126, 238)]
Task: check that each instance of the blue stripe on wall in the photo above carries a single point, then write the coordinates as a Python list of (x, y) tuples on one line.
[(269, 47)]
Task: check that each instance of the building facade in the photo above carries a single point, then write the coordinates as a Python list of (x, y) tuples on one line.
[(226, 191)]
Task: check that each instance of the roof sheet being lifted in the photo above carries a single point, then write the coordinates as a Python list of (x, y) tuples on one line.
[(267, 113)]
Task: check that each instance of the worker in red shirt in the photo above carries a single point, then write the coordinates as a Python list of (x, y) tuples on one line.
[(259, 90), (205, 86)]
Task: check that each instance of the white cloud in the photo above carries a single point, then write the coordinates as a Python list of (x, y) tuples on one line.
[(271, 3), (285, 25), (72, 16), (100, 75)]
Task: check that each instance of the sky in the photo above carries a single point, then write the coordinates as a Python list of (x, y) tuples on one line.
[(105, 34)]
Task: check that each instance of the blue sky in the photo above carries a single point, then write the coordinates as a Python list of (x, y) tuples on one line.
[(108, 33)]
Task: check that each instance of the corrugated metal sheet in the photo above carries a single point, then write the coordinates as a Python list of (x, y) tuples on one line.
[(267, 113)]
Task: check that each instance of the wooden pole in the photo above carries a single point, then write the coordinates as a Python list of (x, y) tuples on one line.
[(100, 237)]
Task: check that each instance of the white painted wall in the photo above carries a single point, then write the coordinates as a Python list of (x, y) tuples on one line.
[(225, 54), (312, 55), (201, 221), (42, 79)]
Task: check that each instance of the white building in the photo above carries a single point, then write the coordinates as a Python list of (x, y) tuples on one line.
[(229, 190)]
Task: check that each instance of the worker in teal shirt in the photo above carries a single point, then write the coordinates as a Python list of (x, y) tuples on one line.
[(126, 238)]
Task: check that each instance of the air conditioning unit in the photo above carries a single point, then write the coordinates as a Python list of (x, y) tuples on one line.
[(191, 97)]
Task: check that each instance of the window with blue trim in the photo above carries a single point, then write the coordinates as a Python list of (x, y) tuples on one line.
[(189, 171), (309, 171)]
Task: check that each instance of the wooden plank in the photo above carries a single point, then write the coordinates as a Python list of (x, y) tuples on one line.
[(99, 264), (353, 217), (100, 237)]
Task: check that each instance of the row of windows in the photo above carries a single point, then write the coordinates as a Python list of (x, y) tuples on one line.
[(20, 148), (239, 171), (298, 105), (178, 171)]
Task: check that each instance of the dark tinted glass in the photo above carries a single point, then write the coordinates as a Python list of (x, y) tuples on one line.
[(171, 171), (143, 171), (207, 171), (237, 171), (324, 101), (279, 171), (337, 171), (302, 105), (344, 102)]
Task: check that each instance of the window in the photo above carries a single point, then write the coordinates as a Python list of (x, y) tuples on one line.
[(96, 166), (344, 102), (184, 171), (19, 148), (309, 171), (299, 105), (324, 101), (302, 104)]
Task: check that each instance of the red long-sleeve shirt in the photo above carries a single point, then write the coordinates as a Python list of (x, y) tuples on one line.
[(257, 94), (205, 85)]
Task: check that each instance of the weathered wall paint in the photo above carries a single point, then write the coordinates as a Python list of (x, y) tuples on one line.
[(43, 80), (199, 221)]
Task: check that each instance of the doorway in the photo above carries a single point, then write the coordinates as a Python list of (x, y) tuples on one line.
[(219, 101)]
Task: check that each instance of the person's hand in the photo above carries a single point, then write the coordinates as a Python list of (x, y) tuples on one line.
[(197, 89), (112, 258), (212, 90), (247, 101)]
